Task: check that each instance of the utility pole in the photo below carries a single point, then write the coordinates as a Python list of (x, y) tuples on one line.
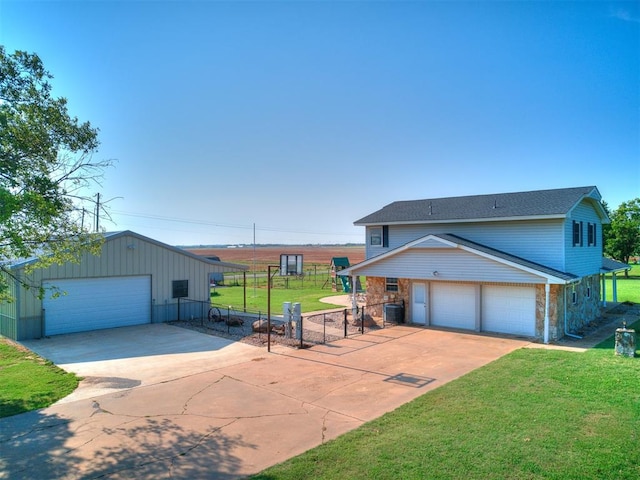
[(97, 212)]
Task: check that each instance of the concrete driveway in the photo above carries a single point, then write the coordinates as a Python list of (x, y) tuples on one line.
[(201, 407), (122, 358)]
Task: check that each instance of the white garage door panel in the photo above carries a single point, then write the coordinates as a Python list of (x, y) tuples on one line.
[(96, 303), (509, 310), (453, 306)]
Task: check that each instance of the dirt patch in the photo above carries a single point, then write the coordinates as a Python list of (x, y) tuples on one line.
[(312, 255)]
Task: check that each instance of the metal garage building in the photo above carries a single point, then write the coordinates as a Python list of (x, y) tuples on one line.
[(135, 280)]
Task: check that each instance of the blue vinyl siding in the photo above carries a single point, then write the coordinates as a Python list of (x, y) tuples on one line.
[(583, 259), (451, 264), (536, 240)]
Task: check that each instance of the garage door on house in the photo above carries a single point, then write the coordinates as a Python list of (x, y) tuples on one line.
[(96, 303), (453, 305), (509, 309)]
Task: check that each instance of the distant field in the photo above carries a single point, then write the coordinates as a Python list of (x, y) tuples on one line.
[(312, 255)]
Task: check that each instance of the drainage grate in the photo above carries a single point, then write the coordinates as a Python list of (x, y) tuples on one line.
[(409, 380)]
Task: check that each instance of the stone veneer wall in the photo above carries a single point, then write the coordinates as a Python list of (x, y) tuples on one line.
[(376, 294), (585, 310)]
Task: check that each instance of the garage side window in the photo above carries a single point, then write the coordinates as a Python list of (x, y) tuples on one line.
[(391, 284), (180, 288)]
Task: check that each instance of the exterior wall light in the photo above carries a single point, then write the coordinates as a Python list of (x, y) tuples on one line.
[(436, 273)]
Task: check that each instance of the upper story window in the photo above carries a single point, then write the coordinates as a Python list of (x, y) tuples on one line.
[(379, 236), (577, 234), (375, 237), (591, 234)]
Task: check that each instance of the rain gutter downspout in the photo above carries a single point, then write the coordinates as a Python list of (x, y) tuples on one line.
[(566, 332)]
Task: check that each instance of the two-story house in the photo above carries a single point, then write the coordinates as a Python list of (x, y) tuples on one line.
[(526, 263)]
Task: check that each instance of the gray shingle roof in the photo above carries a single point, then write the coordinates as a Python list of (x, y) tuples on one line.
[(610, 265), (547, 203)]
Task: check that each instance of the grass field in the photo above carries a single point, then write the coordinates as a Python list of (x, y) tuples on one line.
[(29, 382), (532, 414), (628, 288), (307, 291)]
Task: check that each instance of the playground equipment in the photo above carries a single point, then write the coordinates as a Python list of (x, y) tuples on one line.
[(341, 283)]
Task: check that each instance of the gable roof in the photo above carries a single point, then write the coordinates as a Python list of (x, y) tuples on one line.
[(454, 241), (20, 263), (556, 203)]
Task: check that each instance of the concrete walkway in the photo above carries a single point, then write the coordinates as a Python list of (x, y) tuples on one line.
[(234, 418)]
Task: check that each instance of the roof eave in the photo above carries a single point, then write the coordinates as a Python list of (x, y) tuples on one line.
[(552, 279), (465, 220)]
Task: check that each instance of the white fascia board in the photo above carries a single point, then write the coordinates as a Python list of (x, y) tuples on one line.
[(549, 278), (348, 271), (466, 220)]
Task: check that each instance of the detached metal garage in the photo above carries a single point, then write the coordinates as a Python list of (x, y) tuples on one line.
[(134, 280)]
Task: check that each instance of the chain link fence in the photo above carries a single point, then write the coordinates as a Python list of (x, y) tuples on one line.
[(303, 332)]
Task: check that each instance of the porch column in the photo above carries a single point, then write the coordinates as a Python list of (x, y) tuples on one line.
[(604, 290), (354, 300), (615, 288), (546, 312)]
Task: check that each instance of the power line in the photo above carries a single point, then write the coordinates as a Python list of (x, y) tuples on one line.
[(223, 225)]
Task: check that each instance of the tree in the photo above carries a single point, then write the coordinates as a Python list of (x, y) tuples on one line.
[(46, 170), (622, 237)]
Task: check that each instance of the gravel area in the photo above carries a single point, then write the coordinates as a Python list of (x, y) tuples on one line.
[(322, 328)]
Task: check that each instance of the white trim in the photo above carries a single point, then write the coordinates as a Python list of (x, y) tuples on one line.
[(464, 220), (452, 244)]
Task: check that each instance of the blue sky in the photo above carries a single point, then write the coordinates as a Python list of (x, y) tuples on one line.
[(301, 117)]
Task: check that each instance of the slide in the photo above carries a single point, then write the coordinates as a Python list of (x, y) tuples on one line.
[(345, 285)]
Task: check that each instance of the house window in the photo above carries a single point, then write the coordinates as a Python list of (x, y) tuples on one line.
[(375, 237), (577, 234), (379, 236), (591, 234), (180, 288), (391, 284)]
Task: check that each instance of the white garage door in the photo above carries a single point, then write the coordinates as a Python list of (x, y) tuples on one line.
[(453, 305), (509, 310), (95, 303)]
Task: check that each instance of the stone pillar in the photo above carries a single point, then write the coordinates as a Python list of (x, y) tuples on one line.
[(625, 341)]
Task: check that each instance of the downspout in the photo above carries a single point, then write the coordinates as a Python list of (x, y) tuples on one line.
[(566, 332), (546, 313)]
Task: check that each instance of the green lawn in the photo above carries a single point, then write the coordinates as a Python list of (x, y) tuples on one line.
[(628, 288), (307, 292), (29, 382), (532, 414)]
